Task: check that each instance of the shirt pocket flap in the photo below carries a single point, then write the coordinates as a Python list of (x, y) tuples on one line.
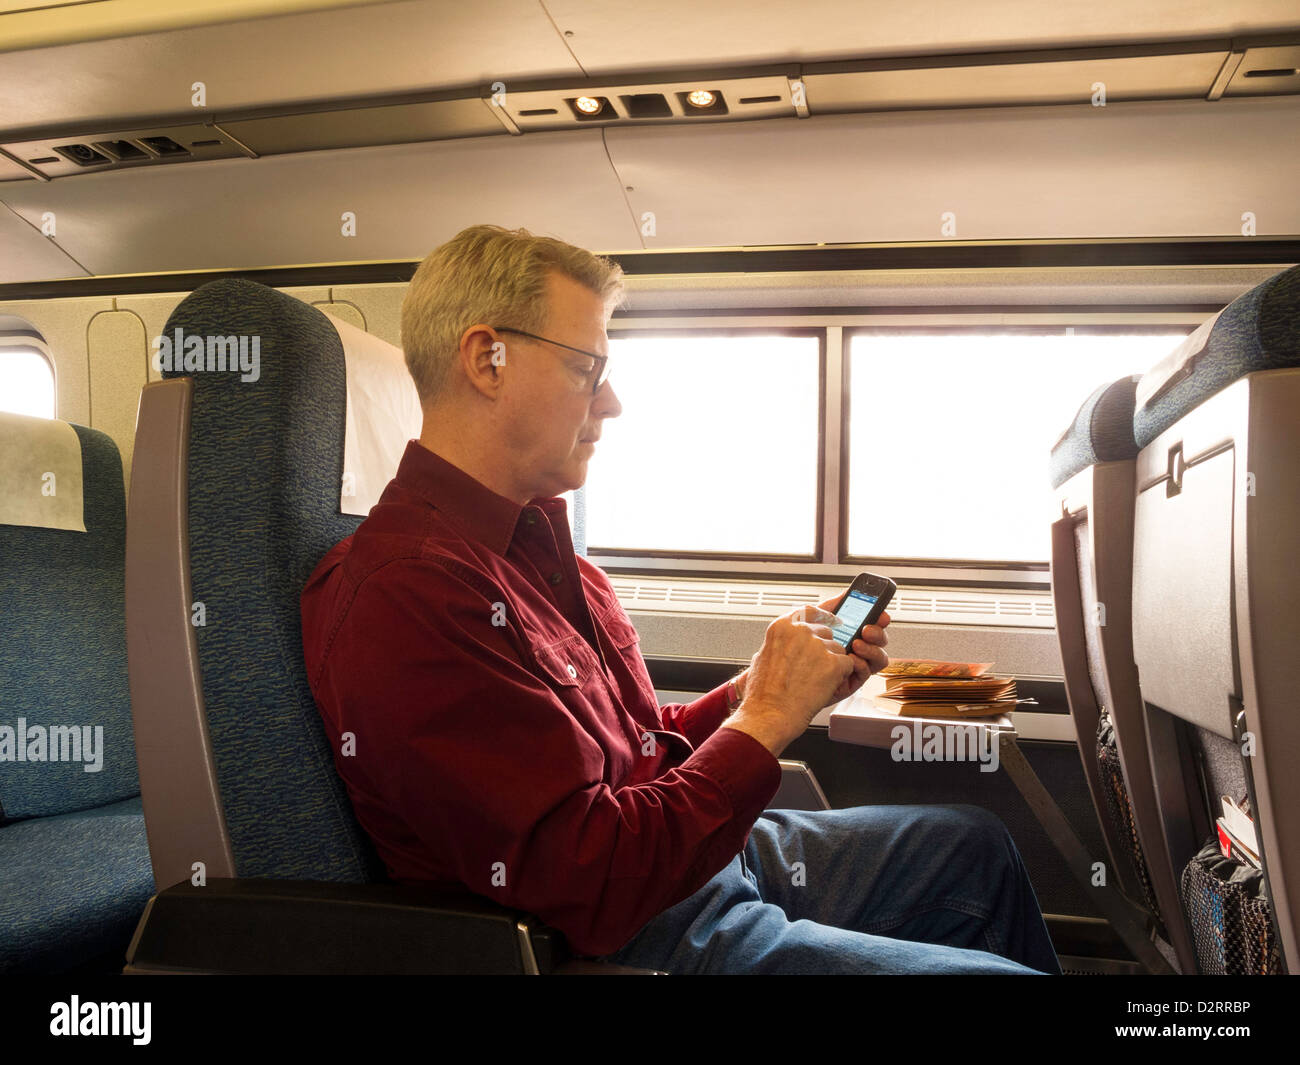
[(621, 630), (564, 662)]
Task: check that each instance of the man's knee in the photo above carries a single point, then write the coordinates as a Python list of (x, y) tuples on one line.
[(970, 830), (978, 823)]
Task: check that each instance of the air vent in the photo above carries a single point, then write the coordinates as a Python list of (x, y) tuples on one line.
[(764, 600), (164, 146), (82, 154), (646, 105), (122, 149)]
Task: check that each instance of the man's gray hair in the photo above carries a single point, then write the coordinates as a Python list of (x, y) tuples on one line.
[(491, 275)]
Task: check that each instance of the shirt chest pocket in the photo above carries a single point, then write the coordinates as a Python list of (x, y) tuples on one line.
[(572, 670), (568, 665)]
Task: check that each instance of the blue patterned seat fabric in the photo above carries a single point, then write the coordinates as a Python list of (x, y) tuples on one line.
[(1102, 431), (1259, 330), (265, 465), (74, 862)]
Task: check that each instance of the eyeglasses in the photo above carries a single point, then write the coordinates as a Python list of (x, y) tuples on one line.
[(600, 370)]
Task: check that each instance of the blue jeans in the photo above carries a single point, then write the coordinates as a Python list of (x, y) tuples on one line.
[(871, 889)]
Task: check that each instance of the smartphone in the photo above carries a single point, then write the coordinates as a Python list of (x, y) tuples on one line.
[(862, 605)]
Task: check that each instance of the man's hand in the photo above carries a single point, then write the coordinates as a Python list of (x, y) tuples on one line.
[(868, 652)]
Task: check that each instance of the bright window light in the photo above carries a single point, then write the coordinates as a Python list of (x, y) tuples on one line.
[(716, 449), (949, 435), (26, 382)]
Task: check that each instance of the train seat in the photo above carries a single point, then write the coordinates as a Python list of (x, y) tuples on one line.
[(237, 491), (1091, 468), (1216, 614), (74, 859)]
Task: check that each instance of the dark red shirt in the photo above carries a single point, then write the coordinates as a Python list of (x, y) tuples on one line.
[(505, 735)]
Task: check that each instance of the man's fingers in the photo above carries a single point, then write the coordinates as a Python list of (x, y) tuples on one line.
[(815, 615), (874, 634), (872, 653)]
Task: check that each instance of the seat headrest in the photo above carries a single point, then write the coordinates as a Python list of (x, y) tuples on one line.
[(1259, 330), (41, 473), (1102, 431), (383, 413)]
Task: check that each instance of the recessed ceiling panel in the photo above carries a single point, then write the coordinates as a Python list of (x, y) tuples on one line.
[(1125, 170), (1267, 71), (898, 84), (28, 255), (324, 55), (675, 33), (399, 202)]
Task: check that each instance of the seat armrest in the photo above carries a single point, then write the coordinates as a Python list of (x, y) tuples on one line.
[(798, 789), (300, 927)]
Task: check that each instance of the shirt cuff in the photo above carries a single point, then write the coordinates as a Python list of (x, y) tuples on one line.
[(741, 766), (702, 717)]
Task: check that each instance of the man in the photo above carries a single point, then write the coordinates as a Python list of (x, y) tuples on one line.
[(494, 722)]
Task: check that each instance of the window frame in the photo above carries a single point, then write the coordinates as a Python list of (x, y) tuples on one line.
[(617, 332), (892, 563), (833, 566), (30, 340)]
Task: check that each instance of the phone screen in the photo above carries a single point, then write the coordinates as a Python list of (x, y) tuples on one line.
[(856, 606)]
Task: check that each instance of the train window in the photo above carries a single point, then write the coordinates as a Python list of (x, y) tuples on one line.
[(26, 382), (716, 450), (949, 432)]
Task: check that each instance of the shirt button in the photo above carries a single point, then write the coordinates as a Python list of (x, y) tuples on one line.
[(531, 518), (572, 672), (556, 578)]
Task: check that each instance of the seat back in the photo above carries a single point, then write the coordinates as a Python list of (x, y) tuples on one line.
[(235, 497), (1092, 468), (1216, 592), (63, 693)]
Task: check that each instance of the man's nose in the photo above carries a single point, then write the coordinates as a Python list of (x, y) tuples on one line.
[(606, 404)]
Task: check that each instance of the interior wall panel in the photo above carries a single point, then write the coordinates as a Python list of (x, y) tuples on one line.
[(344, 312), (119, 352), (381, 305), (1168, 169)]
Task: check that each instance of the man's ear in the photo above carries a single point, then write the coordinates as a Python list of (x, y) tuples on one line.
[(482, 358)]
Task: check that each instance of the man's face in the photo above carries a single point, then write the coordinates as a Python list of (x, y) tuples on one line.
[(554, 418)]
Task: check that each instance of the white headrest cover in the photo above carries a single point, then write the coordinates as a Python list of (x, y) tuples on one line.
[(40, 474), (1175, 366), (383, 414)]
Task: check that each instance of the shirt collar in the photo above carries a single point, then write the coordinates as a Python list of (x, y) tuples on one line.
[(477, 511)]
